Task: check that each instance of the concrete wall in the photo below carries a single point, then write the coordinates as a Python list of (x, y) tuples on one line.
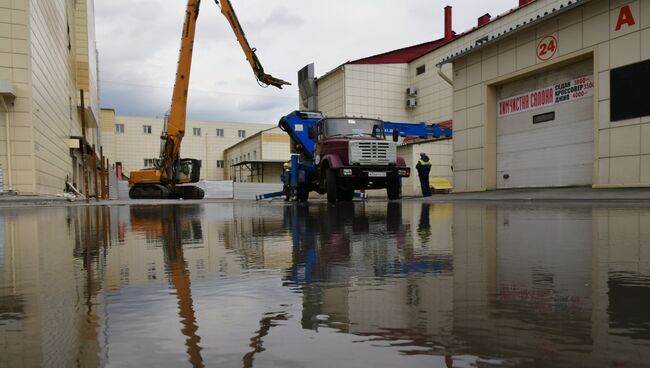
[(133, 146), (331, 93), (275, 145), (434, 94), (622, 155), (86, 54), (15, 66), (56, 79), (376, 91)]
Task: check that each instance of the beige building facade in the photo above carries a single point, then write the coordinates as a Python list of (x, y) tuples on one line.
[(47, 55), (378, 91), (259, 158), (135, 141), (542, 102)]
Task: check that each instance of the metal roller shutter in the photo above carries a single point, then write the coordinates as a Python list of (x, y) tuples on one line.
[(545, 129)]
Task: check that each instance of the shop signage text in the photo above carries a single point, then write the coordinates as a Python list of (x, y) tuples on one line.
[(562, 92)]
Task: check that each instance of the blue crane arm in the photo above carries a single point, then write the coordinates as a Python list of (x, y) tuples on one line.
[(420, 130), (297, 125)]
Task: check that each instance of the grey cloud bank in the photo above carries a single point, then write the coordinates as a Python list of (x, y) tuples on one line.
[(138, 46)]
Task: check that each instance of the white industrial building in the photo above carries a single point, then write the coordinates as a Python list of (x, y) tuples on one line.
[(134, 142)]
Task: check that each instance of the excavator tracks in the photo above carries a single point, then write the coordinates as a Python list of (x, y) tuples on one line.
[(155, 191)]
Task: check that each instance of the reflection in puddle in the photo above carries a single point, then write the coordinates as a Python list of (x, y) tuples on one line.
[(362, 284), (175, 226)]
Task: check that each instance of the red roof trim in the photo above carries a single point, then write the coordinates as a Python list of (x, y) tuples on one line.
[(404, 55)]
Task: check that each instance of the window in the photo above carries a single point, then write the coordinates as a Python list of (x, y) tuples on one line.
[(196, 132), (220, 133), (249, 156), (146, 129), (254, 155), (119, 128), (149, 162), (219, 164), (242, 134), (420, 70), (353, 127), (629, 91)]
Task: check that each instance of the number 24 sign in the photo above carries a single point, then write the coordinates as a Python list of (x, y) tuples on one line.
[(546, 48)]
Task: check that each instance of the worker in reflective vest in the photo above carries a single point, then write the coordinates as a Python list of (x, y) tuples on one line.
[(286, 180), (424, 167)]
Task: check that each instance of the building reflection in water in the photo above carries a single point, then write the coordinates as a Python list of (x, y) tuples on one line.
[(462, 284)]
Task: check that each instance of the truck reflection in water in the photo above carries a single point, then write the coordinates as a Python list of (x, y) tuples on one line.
[(363, 268)]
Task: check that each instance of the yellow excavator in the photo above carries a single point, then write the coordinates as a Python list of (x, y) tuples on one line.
[(170, 171)]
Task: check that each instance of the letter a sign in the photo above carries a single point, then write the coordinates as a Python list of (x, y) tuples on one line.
[(625, 17)]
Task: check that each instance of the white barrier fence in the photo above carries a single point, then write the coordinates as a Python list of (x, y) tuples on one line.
[(220, 189)]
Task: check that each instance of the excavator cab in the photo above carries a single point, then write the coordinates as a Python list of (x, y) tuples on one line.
[(189, 171)]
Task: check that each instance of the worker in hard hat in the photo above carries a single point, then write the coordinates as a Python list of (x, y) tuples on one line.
[(424, 168), (286, 178)]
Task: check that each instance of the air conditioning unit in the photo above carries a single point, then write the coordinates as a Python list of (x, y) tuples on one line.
[(411, 103), (411, 92)]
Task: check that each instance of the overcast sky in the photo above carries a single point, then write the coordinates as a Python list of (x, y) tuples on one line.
[(138, 43)]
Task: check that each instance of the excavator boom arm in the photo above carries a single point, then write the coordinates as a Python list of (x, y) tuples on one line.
[(175, 127), (170, 170), (266, 79)]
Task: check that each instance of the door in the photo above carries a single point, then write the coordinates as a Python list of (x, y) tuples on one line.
[(545, 129)]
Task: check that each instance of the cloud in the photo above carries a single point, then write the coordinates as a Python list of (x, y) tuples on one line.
[(258, 104), (282, 17)]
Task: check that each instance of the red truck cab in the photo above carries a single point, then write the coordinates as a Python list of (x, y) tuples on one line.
[(354, 154)]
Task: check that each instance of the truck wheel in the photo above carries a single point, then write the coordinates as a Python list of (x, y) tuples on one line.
[(303, 193), (394, 188), (330, 184)]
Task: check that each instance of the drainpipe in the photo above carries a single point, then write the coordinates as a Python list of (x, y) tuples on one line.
[(6, 109), (443, 76)]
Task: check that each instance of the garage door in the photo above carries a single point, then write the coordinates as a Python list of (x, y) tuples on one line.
[(545, 129)]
